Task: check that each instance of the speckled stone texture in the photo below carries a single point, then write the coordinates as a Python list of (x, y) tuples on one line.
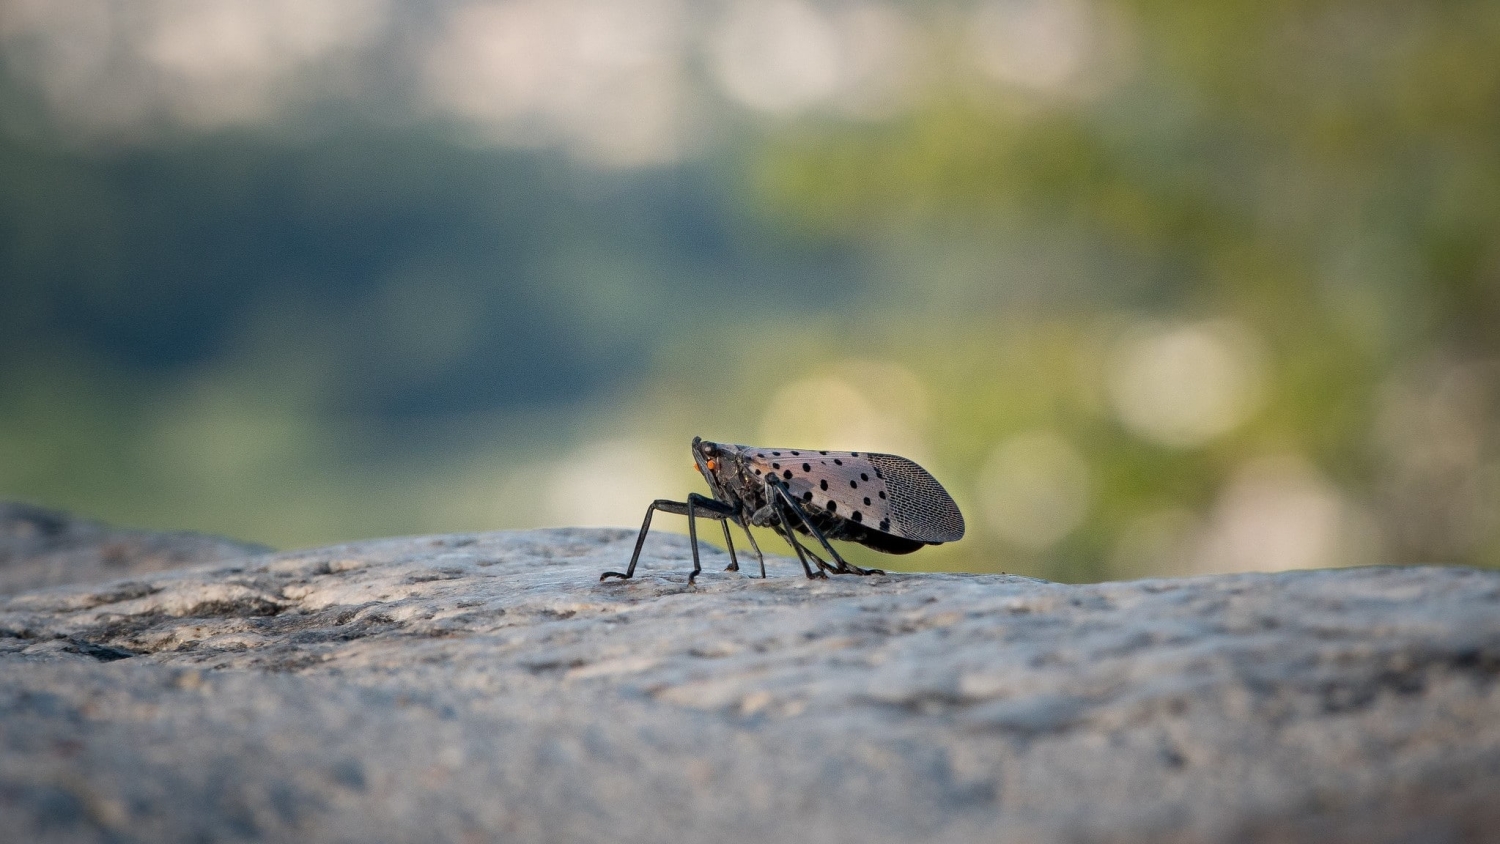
[(490, 688), (41, 547)]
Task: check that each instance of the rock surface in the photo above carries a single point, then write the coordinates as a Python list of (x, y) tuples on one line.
[(488, 687), (41, 547)]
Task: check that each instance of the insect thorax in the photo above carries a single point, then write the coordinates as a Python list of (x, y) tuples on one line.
[(750, 490)]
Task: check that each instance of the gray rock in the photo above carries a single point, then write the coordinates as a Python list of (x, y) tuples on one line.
[(41, 547), (488, 687)]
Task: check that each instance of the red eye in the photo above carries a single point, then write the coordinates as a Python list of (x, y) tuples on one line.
[(712, 465)]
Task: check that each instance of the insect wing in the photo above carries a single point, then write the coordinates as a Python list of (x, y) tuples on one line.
[(920, 506), (880, 491)]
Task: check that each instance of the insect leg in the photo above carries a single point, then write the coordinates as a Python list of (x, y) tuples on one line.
[(824, 565), (693, 538), (762, 557), (786, 531), (734, 561), (791, 538), (812, 528), (843, 565), (716, 510), (665, 506)]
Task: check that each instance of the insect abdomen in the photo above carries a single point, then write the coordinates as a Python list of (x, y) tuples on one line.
[(848, 530)]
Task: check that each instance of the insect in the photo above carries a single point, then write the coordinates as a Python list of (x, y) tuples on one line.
[(880, 501)]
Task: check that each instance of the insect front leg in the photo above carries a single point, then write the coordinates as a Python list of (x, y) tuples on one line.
[(693, 537), (666, 506), (715, 510)]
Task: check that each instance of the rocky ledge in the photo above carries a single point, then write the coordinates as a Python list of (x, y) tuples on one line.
[(489, 687), (40, 547)]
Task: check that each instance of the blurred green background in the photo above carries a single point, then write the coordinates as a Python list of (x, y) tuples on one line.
[(1153, 288)]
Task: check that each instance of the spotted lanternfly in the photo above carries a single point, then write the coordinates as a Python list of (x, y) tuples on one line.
[(880, 501)]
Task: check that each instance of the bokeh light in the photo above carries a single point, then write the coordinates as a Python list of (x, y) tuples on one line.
[(1035, 489), (1183, 386)]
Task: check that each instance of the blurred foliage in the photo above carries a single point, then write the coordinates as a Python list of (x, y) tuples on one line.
[(1324, 172), (371, 328)]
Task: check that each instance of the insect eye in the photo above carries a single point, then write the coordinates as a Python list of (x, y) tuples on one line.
[(712, 465)]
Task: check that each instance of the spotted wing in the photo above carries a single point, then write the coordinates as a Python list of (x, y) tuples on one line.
[(880, 491)]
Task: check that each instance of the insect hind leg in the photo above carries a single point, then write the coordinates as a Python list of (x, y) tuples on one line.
[(791, 538), (844, 566), (822, 564)]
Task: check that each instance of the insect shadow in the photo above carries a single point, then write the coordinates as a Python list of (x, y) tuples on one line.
[(880, 501)]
